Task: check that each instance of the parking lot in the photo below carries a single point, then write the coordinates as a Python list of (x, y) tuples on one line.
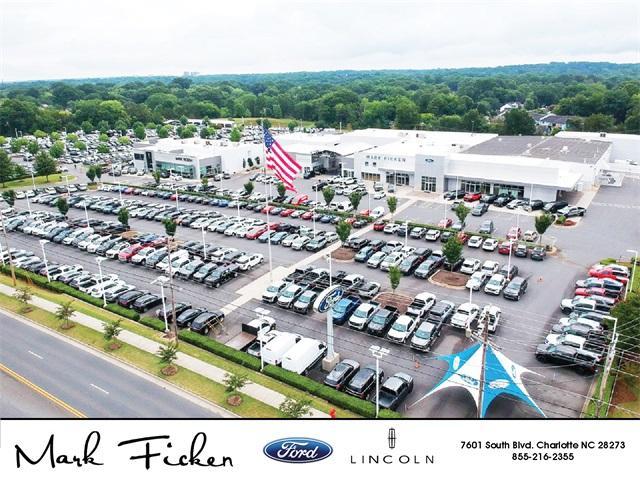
[(559, 392)]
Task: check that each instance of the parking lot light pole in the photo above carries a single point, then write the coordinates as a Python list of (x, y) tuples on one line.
[(633, 272), (99, 261), (378, 353), (162, 280), (86, 214), (44, 258), (33, 180), (406, 233), (28, 204), (262, 313), (177, 204), (204, 246)]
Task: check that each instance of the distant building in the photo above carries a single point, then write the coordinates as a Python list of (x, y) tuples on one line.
[(507, 107), (547, 122)]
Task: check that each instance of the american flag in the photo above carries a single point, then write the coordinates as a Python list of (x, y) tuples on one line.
[(284, 165)]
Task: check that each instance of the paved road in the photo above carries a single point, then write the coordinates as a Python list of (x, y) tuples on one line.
[(94, 386), (21, 401)]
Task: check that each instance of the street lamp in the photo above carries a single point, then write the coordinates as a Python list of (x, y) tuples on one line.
[(44, 258), (33, 180), (162, 280), (66, 179), (99, 261), (633, 274), (86, 214), (378, 353), (406, 232), (177, 204), (28, 202), (204, 245), (262, 313)]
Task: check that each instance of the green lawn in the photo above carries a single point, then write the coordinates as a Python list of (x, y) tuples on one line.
[(186, 379), (187, 348), (40, 181), (631, 384)]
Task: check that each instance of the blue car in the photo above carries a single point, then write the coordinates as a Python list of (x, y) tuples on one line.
[(223, 203), (326, 219), (342, 310)]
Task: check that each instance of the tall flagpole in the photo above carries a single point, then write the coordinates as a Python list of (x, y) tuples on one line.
[(268, 193)]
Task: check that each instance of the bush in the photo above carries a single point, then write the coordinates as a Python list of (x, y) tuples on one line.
[(124, 312), (152, 322), (219, 349)]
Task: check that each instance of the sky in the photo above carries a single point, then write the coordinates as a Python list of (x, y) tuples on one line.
[(53, 39)]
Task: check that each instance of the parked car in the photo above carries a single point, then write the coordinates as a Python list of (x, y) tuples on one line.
[(382, 320), (495, 285), (566, 355), (486, 227), (394, 390), (344, 308), (515, 289), (402, 329), (364, 381), (341, 374), (489, 244), (553, 207), (465, 315), (425, 335)]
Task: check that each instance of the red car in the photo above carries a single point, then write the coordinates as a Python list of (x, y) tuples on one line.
[(379, 225), (172, 197), (601, 292), (255, 232), (307, 215), (463, 237), (268, 208), (608, 273), (365, 213), (505, 247), (158, 242), (514, 233), (272, 225), (287, 212), (351, 220), (128, 190), (126, 254), (472, 196), (445, 223)]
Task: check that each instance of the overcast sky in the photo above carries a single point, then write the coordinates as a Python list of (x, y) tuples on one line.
[(50, 39)]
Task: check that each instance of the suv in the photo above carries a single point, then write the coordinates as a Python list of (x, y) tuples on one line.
[(381, 320), (362, 315), (364, 381), (345, 307), (515, 289), (566, 355)]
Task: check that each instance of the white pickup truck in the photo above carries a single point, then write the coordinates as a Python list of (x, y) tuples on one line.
[(250, 332)]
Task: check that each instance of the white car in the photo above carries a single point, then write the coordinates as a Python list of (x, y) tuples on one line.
[(432, 235), (289, 239), (496, 284), (300, 243), (402, 329), (377, 212), (491, 315), (392, 260), (490, 267), (391, 228), (421, 304), (470, 265), (361, 316), (566, 339), (379, 195), (530, 236), (465, 315), (247, 262), (476, 281), (116, 249), (490, 244), (376, 259), (331, 237), (475, 241), (142, 255)]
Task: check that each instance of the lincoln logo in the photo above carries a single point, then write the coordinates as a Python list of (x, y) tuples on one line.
[(297, 450), (392, 438)]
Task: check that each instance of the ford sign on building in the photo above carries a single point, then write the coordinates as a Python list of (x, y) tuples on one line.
[(297, 450), (328, 298)]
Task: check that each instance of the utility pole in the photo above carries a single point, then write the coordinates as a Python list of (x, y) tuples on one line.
[(611, 353), (485, 334)]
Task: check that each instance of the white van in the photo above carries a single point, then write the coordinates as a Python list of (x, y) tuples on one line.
[(377, 212), (274, 350), (304, 355)]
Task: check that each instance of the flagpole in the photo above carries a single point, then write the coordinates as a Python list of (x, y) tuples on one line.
[(264, 162)]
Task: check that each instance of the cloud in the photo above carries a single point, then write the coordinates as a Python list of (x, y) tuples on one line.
[(71, 38)]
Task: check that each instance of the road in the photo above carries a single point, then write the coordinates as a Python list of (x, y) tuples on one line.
[(94, 386)]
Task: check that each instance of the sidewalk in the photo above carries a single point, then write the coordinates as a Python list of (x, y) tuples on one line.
[(260, 393)]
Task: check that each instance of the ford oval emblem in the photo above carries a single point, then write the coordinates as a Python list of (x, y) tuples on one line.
[(297, 450), (328, 298)]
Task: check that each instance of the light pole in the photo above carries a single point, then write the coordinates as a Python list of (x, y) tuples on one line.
[(162, 280), (44, 258), (633, 272), (66, 180), (378, 353), (33, 180), (262, 313), (86, 214), (28, 204), (406, 232), (99, 261), (177, 204), (204, 246)]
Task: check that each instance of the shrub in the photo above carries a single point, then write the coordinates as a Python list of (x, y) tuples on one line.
[(219, 349), (152, 322), (124, 312)]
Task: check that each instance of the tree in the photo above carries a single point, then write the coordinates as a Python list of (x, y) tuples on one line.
[(57, 149), (6, 168), (163, 131), (124, 140), (407, 115), (343, 230), (281, 189), (3, 140), (328, 193), (23, 295), (394, 277), (103, 137), (355, 198), (64, 313), (9, 196), (103, 148), (519, 122), (264, 121), (86, 126), (123, 216), (542, 223), (462, 211), (62, 205), (156, 177), (80, 145), (168, 354), (235, 382), (205, 182), (392, 203), (184, 120), (72, 137), (170, 227), (249, 187), (110, 332), (98, 170), (33, 147), (292, 125), (628, 313), (452, 250), (295, 408), (598, 122), (235, 135), (140, 132), (91, 173), (45, 165)]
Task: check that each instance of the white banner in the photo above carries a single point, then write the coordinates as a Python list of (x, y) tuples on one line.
[(157, 449)]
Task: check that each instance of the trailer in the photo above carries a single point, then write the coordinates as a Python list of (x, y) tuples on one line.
[(250, 332)]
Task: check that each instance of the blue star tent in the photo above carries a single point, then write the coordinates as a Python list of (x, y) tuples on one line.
[(501, 376)]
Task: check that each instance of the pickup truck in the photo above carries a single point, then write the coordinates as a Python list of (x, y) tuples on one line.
[(250, 332), (421, 304), (490, 314)]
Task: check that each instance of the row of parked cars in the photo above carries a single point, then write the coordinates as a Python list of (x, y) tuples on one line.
[(580, 340)]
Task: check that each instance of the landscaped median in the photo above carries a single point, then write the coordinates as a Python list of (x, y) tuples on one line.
[(206, 350)]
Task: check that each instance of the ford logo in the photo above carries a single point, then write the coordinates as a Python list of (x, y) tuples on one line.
[(328, 298), (297, 450)]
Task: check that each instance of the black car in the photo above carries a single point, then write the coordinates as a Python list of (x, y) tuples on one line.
[(567, 355), (521, 250), (205, 321), (394, 390), (538, 253), (180, 307), (509, 271), (515, 289), (454, 194), (553, 207), (221, 275), (187, 316), (535, 205), (145, 302), (382, 320), (502, 200), (488, 198), (364, 381), (204, 271), (409, 264), (126, 300), (452, 267), (441, 312), (342, 374)]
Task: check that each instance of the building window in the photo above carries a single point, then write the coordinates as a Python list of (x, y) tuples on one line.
[(375, 164), (372, 177), (366, 164), (397, 178), (428, 184)]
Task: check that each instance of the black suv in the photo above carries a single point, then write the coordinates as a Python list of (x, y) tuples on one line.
[(205, 321), (566, 355), (382, 320), (515, 289), (221, 275), (364, 381)]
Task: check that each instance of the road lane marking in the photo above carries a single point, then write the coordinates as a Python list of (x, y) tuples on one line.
[(98, 388), (34, 354), (42, 392)]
